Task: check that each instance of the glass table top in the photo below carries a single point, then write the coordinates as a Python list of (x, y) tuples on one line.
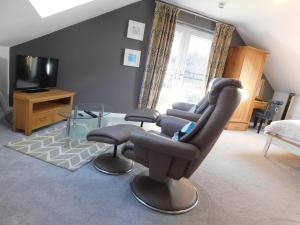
[(83, 118), (86, 111)]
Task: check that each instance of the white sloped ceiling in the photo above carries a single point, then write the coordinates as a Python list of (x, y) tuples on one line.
[(272, 25), (20, 22)]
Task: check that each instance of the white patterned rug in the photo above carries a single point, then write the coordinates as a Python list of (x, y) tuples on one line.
[(52, 147)]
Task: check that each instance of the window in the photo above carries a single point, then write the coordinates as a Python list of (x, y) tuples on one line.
[(186, 72), (49, 7)]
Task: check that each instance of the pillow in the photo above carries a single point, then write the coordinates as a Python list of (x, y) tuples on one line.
[(193, 109), (186, 129)]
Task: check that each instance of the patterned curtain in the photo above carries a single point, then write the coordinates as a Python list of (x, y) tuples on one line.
[(161, 39), (219, 51)]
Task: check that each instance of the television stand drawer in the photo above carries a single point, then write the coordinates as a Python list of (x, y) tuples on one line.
[(43, 119)]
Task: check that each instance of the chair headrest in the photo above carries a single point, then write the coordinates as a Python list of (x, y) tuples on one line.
[(217, 86), (213, 82)]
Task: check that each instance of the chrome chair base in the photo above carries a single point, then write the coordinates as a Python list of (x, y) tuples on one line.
[(113, 165), (171, 197)]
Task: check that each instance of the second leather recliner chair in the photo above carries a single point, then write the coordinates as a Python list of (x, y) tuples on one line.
[(190, 111)]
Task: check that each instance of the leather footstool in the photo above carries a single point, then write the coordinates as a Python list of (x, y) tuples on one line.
[(111, 163), (143, 115)]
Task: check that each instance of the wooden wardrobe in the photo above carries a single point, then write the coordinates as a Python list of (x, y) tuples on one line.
[(246, 64)]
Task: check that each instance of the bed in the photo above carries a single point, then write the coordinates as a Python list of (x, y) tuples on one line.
[(284, 133)]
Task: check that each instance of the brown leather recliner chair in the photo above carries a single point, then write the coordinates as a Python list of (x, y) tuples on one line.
[(190, 111), (166, 188)]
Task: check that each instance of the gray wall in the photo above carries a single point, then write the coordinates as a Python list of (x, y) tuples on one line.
[(269, 91), (237, 40), (4, 58), (199, 22), (4, 77), (91, 55), (209, 25)]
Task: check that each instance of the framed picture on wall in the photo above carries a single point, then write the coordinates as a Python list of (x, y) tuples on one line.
[(132, 57), (135, 30)]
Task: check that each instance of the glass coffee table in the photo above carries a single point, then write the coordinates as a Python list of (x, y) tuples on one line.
[(83, 118)]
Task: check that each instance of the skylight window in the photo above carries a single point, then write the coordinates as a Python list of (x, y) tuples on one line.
[(49, 7)]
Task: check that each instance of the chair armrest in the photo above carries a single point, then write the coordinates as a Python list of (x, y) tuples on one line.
[(152, 142), (170, 124), (182, 106), (182, 114)]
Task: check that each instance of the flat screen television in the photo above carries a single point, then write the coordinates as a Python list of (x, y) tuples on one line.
[(35, 72)]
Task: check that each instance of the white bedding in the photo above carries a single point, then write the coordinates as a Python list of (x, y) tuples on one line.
[(285, 128)]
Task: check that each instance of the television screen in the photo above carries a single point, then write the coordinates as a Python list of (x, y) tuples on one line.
[(28, 72), (49, 69), (36, 72)]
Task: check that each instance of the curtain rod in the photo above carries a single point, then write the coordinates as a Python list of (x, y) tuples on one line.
[(190, 11)]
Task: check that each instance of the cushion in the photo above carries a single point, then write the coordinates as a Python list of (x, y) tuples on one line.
[(115, 135), (186, 129), (143, 115)]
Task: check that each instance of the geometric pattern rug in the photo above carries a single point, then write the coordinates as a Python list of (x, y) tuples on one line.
[(51, 147)]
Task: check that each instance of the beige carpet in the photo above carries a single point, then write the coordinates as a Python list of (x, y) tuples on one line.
[(247, 188)]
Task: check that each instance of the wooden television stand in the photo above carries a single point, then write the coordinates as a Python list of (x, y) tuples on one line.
[(35, 110)]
